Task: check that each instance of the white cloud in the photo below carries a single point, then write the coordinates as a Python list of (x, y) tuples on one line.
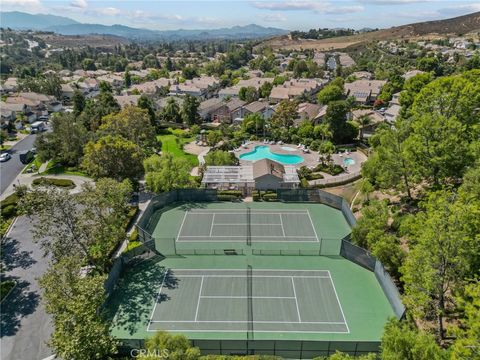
[(81, 4), (459, 9), (392, 2), (276, 17), (22, 3), (308, 5), (109, 11)]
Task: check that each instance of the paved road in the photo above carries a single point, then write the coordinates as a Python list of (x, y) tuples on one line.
[(10, 169), (25, 327)]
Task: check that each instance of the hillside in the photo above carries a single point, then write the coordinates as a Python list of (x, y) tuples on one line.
[(458, 25)]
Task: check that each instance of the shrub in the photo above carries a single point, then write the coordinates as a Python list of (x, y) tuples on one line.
[(64, 183), (270, 197), (332, 169), (9, 211), (314, 176), (236, 193), (227, 198)]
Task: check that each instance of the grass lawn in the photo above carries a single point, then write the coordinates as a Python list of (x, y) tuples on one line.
[(36, 161), (347, 191), (5, 147), (56, 169), (170, 145)]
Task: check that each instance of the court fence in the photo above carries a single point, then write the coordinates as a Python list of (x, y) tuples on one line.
[(294, 349)]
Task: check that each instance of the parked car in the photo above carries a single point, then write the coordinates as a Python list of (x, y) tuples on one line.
[(37, 126), (26, 156), (5, 157)]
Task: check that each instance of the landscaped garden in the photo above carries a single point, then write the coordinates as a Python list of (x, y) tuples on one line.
[(173, 142)]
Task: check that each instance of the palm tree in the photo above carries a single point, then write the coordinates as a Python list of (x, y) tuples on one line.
[(363, 121)]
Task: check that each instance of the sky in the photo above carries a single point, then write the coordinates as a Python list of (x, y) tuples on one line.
[(285, 14)]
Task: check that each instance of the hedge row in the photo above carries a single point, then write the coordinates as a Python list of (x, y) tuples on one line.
[(237, 193), (268, 195), (227, 197), (64, 183)]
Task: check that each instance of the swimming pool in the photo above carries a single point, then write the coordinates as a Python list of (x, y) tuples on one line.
[(348, 161), (263, 152)]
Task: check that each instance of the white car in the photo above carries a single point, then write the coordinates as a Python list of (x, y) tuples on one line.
[(5, 157)]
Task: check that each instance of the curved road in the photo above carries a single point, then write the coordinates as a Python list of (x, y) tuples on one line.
[(10, 169)]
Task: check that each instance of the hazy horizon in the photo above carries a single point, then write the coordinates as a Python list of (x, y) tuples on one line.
[(285, 14)]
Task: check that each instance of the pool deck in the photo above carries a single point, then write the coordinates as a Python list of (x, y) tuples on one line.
[(310, 159)]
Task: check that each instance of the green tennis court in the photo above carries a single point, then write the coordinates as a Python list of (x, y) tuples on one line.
[(297, 301), (235, 225)]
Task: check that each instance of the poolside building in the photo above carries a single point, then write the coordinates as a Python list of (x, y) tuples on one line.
[(263, 174)]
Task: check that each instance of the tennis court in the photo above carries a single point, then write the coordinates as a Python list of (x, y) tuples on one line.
[(251, 301), (239, 225)]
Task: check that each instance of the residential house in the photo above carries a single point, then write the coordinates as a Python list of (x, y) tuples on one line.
[(233, 91), (127, 100), (345, 60), (362, 75), (9, 86), (204, 87), (411, 73), (226, 111), (319, 59), (392, 112), (364, 91), (7, 117), (312, 112), (37, 102), (271, 175), (296, 87), (67, 91), (115, 81), (207, 107), (16, 109), (88, 87), (261, 107)]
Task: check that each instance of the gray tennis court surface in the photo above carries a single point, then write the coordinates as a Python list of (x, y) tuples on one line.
[(208, 225), (295, 301)]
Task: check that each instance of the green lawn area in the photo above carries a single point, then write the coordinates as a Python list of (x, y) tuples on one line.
[(170, 145), (36, 162), (56, 169)]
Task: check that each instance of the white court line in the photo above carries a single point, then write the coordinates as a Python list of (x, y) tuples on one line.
[(245, 322), (281, 222), (256, 276), (243, 236), (296, 300), (181, 226), (157, 298), (245, 297), (243, 211), (338, 301), (218, 224), (313, 226), (257, 331), (258, 270), (211, 226), (199, 297)]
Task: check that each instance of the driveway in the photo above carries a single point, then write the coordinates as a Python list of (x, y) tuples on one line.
[(25, 327), (10, 169)]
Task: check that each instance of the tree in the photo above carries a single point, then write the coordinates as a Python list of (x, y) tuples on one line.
[(322, 131), (330, 93), (88, 224), (214, 137), (165, 345), (363, 121), (78, 101), (285, 114), (438, 258), (64, 144), (88, 64), (144, 102), (220, 158), (171, 112), (189, 72), (466, 345), (103, 105), (265, 90), (128, 79), (133, 124), (336, 117), (248, 94), (252, 123), (389, 167), (399, 341), (115, 157), (75, 303), (190, 110), (166, 172)]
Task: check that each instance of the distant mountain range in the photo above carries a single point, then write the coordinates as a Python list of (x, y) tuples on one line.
[(66, 26)]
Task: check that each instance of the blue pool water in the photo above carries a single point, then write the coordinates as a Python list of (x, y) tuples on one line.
[(263, 152), (348, 161)]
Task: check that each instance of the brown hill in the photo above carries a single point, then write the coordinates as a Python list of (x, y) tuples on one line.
[(454, 26)]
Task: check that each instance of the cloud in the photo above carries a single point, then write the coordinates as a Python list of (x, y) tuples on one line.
[(81, 4), (392, 2), (109, 11), (22, 3), (142, 17), (308, 5), (276, 17), (459, 9)]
